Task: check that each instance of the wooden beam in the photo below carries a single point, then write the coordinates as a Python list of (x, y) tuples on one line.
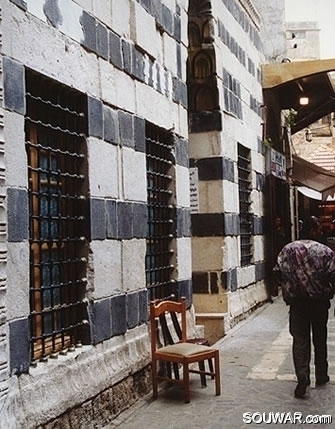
[(278, 74)]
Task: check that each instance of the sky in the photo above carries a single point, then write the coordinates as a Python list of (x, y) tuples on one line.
[(321, 11)]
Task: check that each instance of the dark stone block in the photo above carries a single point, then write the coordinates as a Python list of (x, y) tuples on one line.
[(100, 315), (21, 3), (140, 220), (200, 282), (88, 24), (258, 228), (119, 315), (146, 4), (115, 56), (228, 169), (139, 134), (111, 219), (18, 215), (179, 91), (19, 346), (98, 219), (229, 280), (127, 50), (182, 156), (205, 121), (53, 13), (111, 125), (231, 224), (183, 222), (213, 283), (143, 306), (156, 10), (95, 117), (260, 182), (167, 19), (150, 78), (14, 86), (132, 310), (102, 41), (260, 271), (185, 289), (177, 28), (126, 129), (207, 225), (179, 63), (125, 220), (210, 168), (138, 65)]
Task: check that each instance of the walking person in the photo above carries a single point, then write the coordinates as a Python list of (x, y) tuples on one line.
[(307, 276)]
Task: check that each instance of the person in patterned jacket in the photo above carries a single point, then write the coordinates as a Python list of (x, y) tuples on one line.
[(306, 269)]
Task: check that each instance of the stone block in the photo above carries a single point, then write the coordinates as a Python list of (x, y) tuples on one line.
[(182, 186), (14, 85), (184, 258), (95, 117), (88, 23), (100, 320), (102, 41), (119, 314), (103, 169), (18, 214), (139, 134), (98, 219), (106, 257), (19, 345), (111, 125), (133, 264), (140, 226), (208, 253), (134, 175), (115, 56), (111, 219), (132, 303)]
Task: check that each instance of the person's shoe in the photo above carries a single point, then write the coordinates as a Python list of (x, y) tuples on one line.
[(322, 379), (300, 390)]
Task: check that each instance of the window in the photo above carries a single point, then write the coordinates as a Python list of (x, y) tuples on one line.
[(55, 127), (161, 213), (244, 185)]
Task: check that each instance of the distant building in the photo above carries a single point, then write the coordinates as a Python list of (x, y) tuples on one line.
[(303, 40)]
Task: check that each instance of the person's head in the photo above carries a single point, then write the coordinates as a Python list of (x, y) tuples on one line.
[(311, 228)]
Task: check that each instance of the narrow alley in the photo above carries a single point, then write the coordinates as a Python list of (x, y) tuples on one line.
[(257, 377)]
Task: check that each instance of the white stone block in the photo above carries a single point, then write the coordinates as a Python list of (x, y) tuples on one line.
[(103, 11), (258, 247), (15, 155), (207, 253), (118, 88), (160, 110), (170, 54), (230, 197), (230, 253), (121, 17), (204, 145), (210, 196), (106, 265), (184, 259), (134, 175), (246, 276), (143, 30), (17, 297), (133, 265), (103, 162), (182, 186)]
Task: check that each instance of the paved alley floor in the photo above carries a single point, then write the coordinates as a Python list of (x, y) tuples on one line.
[(257, 379)]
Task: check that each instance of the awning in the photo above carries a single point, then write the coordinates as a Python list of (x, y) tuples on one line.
[(287, 82), (311, 176)]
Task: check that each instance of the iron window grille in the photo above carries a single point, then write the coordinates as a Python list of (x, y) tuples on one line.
[(244, 187), (161, 213), (56, 128)]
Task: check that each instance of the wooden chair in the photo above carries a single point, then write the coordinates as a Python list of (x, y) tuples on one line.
[(181, 353), (169, 338)]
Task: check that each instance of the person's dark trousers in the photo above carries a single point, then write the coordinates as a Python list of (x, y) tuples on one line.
[(309, 317)]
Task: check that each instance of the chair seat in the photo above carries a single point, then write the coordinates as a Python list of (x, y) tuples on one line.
[(185, 349)]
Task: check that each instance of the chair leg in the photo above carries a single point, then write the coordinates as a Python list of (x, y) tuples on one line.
[(210, 364), (186, 379), (154, 379), (202, 376), (217, 374)]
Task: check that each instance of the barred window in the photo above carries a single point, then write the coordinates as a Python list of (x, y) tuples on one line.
[(161, 213), (244, 186), (55, 127)]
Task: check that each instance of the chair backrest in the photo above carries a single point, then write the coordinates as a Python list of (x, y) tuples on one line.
[(158, 311)]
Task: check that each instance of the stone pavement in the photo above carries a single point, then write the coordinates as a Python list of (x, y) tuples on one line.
[(257, 377)]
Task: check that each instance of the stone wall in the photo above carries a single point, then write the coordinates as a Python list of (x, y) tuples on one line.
[(129, 60)]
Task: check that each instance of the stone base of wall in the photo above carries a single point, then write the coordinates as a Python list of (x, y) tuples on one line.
[(240, 304), (105, 407)]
